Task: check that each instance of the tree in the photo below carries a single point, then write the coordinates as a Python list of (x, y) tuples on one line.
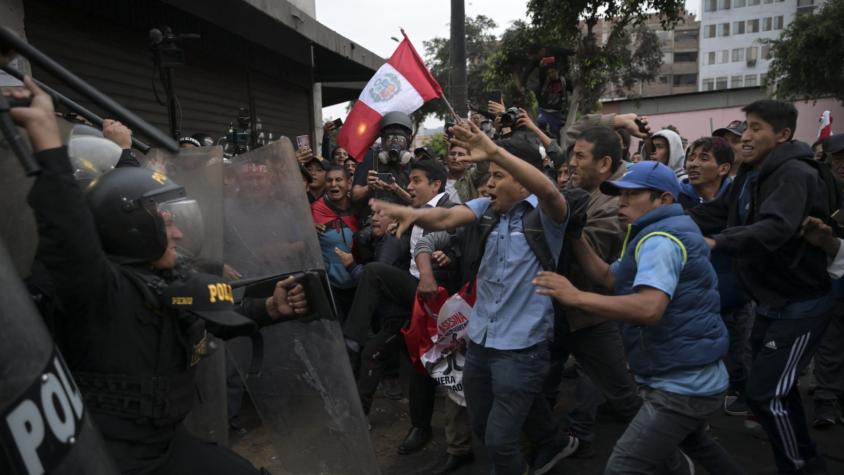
[(631, 51), (808, 62), (480, 44)]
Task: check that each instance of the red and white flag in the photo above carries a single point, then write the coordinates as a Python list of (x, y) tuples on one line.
[(825, 128), (402, 84)]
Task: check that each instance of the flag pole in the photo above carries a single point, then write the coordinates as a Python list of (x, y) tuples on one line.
[(451, 109)]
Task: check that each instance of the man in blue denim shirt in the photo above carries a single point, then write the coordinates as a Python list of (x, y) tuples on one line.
[(508, 357)]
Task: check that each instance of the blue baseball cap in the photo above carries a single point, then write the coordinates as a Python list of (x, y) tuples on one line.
[(648, 175)]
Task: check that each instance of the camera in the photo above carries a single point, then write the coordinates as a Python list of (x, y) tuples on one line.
[(449, 123), (510, 117)]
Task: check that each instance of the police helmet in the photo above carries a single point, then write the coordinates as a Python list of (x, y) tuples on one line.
[(129, 206)]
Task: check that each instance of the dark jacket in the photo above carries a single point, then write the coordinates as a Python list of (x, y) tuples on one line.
[(690, 333), (112, 329), (728, 285), (774, 265)]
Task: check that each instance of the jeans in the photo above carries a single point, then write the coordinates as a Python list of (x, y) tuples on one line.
[(502, 388), (666, 424), (739, 322), (602, 374), (829, 359), (550, 122)]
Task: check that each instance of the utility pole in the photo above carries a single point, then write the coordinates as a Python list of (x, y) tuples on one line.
[(457, 78)]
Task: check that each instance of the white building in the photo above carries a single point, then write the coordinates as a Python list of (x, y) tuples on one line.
[(732, 34)]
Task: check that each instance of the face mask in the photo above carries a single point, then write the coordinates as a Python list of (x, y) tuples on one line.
[(395, 150)]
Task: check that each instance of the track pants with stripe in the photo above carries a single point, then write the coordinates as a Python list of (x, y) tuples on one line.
[(782, 347)]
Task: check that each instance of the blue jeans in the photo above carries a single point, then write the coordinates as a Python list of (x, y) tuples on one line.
[(550, 122), (502, 387), (666, 424)]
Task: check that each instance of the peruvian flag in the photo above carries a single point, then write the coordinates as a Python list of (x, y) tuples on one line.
[(825, 129), (402, 84)]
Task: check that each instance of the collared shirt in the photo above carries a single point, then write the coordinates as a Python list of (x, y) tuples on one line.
[(508, 313), (417, 233)]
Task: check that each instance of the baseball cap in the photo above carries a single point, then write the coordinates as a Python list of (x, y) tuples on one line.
[(648, 175), (833, 144), (320, 161), (523, 149), (207, 297), (736, 127)]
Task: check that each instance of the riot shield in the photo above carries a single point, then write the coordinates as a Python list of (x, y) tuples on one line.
[(303, 391), (200, 171), (44, 426)]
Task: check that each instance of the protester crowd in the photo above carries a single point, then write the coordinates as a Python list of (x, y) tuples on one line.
[(682, 279)]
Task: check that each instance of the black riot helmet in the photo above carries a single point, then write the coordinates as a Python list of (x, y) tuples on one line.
[(396, 129), (128, 204)]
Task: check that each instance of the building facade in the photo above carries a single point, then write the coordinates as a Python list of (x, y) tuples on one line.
[(733, 35)]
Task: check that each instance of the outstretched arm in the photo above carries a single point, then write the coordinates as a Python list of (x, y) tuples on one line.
[(431, 219), (481, 147)]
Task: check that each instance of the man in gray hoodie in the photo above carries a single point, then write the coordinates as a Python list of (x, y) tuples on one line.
[(667, 148)]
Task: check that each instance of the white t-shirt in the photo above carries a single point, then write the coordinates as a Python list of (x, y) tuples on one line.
[(416, 234), (452, 191)]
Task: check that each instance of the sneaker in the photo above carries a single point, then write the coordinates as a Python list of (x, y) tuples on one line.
[(689, 461), (584, 450), (547, 457), (736, 407), (824, 414)]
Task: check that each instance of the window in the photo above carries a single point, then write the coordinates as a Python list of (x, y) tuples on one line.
[(805, 3), (768, 1), (738, 3), (710, 57), (685, 57), (752, 55), (725, 56), (738, 27), (663, 78), (685, 79), (685, 35), (778, 22), (708, 84), (766, 24), (752, 2), (709, 31), (736, 81), (738, 55), (724, 29), (723, 4), (750, 80), (753, 26), (710, 5), (721, 82), (762, 78), (766, 52)]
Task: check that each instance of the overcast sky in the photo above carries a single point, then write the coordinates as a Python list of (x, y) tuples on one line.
[(371, 23)]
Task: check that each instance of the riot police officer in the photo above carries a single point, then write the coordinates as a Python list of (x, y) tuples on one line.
[(111, 257)]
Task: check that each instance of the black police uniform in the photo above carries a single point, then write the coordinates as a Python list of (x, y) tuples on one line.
[(133, 359)]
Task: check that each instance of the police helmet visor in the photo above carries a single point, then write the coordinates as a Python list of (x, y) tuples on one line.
[(91, 156), (184, 214)]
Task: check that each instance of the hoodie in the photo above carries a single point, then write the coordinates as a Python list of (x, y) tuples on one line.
[(676, 154), (773, 263)]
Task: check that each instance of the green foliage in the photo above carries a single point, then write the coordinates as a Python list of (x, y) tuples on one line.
[(439, 144), (630, 54), (480, 44), (808, 58)]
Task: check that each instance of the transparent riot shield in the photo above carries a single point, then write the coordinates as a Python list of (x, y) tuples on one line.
[(302, 386), (44, 425), (200, 171)]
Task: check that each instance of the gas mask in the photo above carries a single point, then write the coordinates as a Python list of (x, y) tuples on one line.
[(394, 149)]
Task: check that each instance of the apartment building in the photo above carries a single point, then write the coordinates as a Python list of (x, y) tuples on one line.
[(733, 35)]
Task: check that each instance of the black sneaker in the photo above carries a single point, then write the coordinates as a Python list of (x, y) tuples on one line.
[(584, 450), (737, 406), (824, 414), (548, 456)]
